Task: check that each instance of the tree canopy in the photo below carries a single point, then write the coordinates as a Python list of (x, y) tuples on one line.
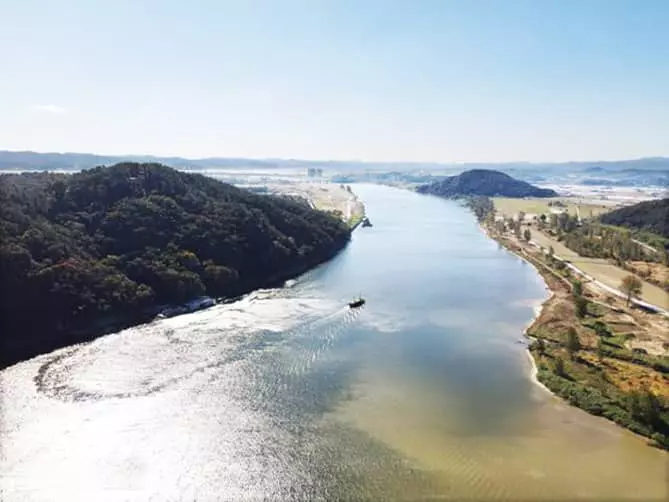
[(652, 216), (632, 286), (78, 251)]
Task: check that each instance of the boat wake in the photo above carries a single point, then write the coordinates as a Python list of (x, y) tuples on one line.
[(261, 334)]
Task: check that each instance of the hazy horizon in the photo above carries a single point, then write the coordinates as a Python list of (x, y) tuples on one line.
[(480, 81), (323, 160)]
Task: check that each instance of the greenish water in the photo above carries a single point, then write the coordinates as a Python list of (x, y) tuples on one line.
[(289, 395)]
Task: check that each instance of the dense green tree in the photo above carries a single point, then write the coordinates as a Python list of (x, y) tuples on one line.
[(112, 243), (581, 306), (218, 279), (601, 329), (559, 367), (553, 220), (644, 406), (482, 207), (573, 343), (527, 235), (594, 240)]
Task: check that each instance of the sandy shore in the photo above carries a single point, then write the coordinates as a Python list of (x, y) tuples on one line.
[(534, 374), (538, 309), (327, 197)]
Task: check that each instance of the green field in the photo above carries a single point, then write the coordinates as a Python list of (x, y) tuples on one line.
[(611, 276), (510, 207), (558, 248)]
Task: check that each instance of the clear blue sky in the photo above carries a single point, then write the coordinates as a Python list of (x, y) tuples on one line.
[(414, 80)]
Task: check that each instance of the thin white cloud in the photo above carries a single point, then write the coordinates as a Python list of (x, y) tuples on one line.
[(50, 108)]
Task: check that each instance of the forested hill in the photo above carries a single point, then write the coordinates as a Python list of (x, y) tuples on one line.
[(652, 215), (484, 182), (107, 246)]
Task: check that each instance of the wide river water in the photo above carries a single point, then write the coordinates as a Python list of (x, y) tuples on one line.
[(289, 395)]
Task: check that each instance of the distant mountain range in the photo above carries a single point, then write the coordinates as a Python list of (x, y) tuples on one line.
[(28, 160), (484, 182), (10, 160)]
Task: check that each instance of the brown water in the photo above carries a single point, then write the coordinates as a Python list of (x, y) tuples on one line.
[(289, 395)]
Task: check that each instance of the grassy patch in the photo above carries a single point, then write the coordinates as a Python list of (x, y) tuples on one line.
[(600, 329), (355, 219), (596, 310), (603, 400), (551, 335), (658, 363), (511, 206), (618, 341)]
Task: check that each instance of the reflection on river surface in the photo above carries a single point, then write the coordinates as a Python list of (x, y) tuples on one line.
[(290, 395)]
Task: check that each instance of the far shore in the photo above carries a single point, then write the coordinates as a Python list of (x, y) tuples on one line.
[(331, 197)]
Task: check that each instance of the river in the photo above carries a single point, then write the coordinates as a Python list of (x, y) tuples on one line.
[(289, 395)]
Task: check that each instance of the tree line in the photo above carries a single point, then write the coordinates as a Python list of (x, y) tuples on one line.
[(651, 216)]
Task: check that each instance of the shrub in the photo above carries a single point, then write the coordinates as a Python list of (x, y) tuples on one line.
[(601, 329), (581, 306)]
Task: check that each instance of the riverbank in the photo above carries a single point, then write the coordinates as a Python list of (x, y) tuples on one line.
[(600, 372), (15, 353), (333, 198)]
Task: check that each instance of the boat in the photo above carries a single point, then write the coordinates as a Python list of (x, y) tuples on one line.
[(358, 302)]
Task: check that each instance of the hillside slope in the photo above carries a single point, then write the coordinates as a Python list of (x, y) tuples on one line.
[(484, 182), (106, 247), (652, 216)]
